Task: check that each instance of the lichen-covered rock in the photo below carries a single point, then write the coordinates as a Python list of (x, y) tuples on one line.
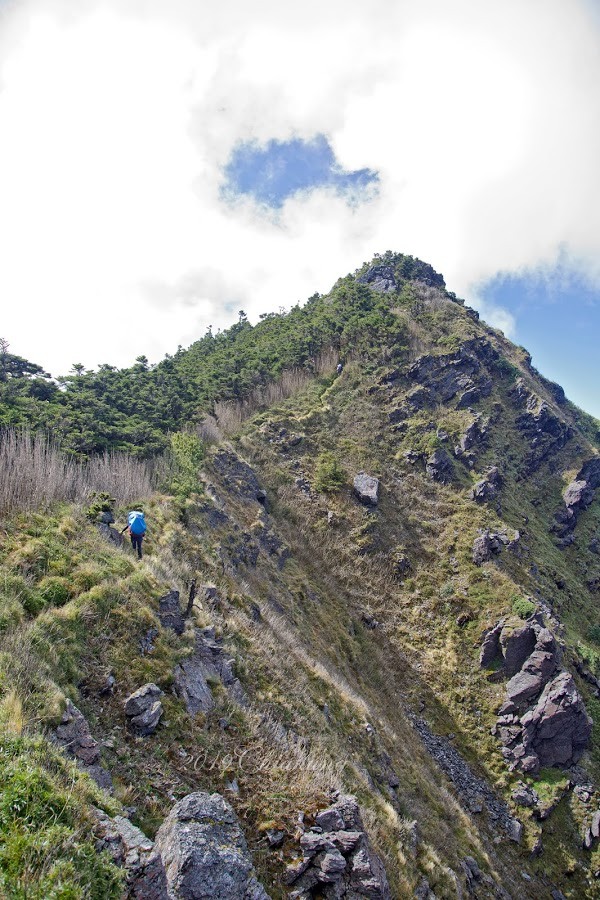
[(366, 488), (144, 710), (204, 852), (337, 859), (133, 851)]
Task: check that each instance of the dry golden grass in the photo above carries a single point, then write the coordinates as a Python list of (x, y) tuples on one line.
[(34, 473)]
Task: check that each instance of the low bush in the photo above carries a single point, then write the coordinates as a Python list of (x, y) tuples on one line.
[(329, 475)]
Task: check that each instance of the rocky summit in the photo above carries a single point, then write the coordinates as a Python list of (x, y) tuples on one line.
[(360, 654)]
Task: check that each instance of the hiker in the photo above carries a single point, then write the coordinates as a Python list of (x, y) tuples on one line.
[(339, 368), (136, 526)]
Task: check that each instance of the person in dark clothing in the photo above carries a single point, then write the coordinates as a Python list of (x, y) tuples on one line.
[(136, 527)]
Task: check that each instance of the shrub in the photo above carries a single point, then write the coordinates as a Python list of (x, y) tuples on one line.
[(523, 607), (594, 634), (100, 502), (54, 590), (329, 475), (187, 453)]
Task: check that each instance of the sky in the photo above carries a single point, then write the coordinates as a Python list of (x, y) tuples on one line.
[(166, 163)]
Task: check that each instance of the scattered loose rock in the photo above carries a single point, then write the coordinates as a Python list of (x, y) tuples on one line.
[(474, 793), (144, 710), (337, 861)]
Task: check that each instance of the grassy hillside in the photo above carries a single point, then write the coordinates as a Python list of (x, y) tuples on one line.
[(346, 622)]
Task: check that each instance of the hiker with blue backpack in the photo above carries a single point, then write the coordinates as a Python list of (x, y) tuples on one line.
[(136, 526)]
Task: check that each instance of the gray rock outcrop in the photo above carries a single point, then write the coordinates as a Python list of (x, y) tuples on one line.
[(144, 709), (170, 614), (543, 721), (337, 861), (111, 534), (545, 431), (439, 467), (577, 496), (130, 848), (74, 736), (237, 476), (204, 852), (209, 660), (380, 279), (487, 488), (366, 488), (460, 372), (485, 547)]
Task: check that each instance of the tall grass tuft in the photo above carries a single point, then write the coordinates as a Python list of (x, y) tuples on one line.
[(35, 473)]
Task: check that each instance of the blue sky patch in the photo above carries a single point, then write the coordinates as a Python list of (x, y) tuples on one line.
[(557, 317), (272, 172)]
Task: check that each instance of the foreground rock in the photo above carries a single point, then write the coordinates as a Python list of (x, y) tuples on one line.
[(143, 709), (133, 851), (337, 861), (204, 852), (543, 721), (366, 488)]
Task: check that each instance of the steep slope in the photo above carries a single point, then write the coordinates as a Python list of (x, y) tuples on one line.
[(423, 635)]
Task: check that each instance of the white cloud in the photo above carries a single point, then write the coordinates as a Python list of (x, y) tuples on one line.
[(116, 121)]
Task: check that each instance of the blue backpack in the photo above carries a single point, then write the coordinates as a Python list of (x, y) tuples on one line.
[(136, 522)]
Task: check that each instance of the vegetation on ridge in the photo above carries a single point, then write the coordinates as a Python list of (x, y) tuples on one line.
[(343, 621)]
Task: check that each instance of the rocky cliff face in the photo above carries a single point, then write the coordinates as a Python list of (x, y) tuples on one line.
[(378, 684)]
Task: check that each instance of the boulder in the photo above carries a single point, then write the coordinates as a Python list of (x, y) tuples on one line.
[(130, 848), (439, 467), (517, 643), (204, 852), (487, 488), (144, 710), (111, 534), (366, 488), (490, 645)]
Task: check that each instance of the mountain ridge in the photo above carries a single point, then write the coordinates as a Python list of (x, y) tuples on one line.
[(334, 634)]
